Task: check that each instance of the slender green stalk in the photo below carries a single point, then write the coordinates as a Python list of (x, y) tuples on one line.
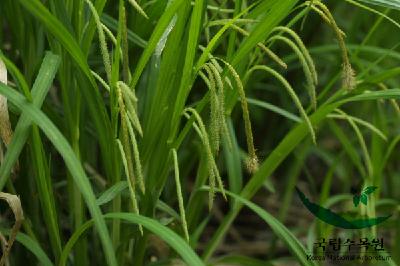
[(179, 194)]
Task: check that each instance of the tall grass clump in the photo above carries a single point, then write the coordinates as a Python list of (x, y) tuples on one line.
[(134, 132)]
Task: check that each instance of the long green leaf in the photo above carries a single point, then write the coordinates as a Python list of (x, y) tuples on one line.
[(72, 162), (112, 192), (87, 83), (169, 236), (294, 245), (191, 48), (58, 30), (153, 41), (39, 91), (385, 3), (33, 246)]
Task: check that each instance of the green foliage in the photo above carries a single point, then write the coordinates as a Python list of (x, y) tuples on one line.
[(391, 4), (123, 111)]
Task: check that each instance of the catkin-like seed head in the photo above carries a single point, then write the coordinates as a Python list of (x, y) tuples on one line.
[(215, 123), (131, 184), (348, 76), (245, 110), (179, 194), (102, 40), (138, 8), (136, 156), (349, 80), (213, 173), (291, 93), (306, 68), (252, 164)]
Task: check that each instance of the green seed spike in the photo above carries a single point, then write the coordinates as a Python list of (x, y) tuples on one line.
[(264, 48), (138, 8), (126, 90), (267, 51), (196, 127), (130, 185), (180, 197), (217, 76), (109, 34), (303, 49), (201, 131), (136, 156), (215, 123), (219, 180), (349, 81), (122, 111), (126, 153), (125, 48), (252, 163), (102, 81), (272, 55), (204, 78), (324, 17), (291, 92), (212, 166), (215, 63), (306, 15), (221, 97), (238, 21), (306, 68), (130, 100), (222, 125), (227, 135), (102, 40)]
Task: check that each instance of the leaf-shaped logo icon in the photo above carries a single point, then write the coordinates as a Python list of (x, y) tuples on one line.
[(369, 190), (364, 199), (356, 200), (363, 196), (335, 219)]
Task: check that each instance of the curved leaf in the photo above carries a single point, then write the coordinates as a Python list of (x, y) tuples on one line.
[(112, 192), (71, 161), (356, 200), (39, 91), (369, 190), (169, 236), (364, 199), (395, 4), (33, 246), (294, 245)]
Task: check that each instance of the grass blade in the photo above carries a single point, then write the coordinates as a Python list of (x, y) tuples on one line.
[(153, 41), (112, 192), (33, 246), (40, 89), (73, 164), (395, 4), (170, 237), (278, 228)]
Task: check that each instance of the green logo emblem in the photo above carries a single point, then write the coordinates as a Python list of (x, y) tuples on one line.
[(363, 196), (337, 220)]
